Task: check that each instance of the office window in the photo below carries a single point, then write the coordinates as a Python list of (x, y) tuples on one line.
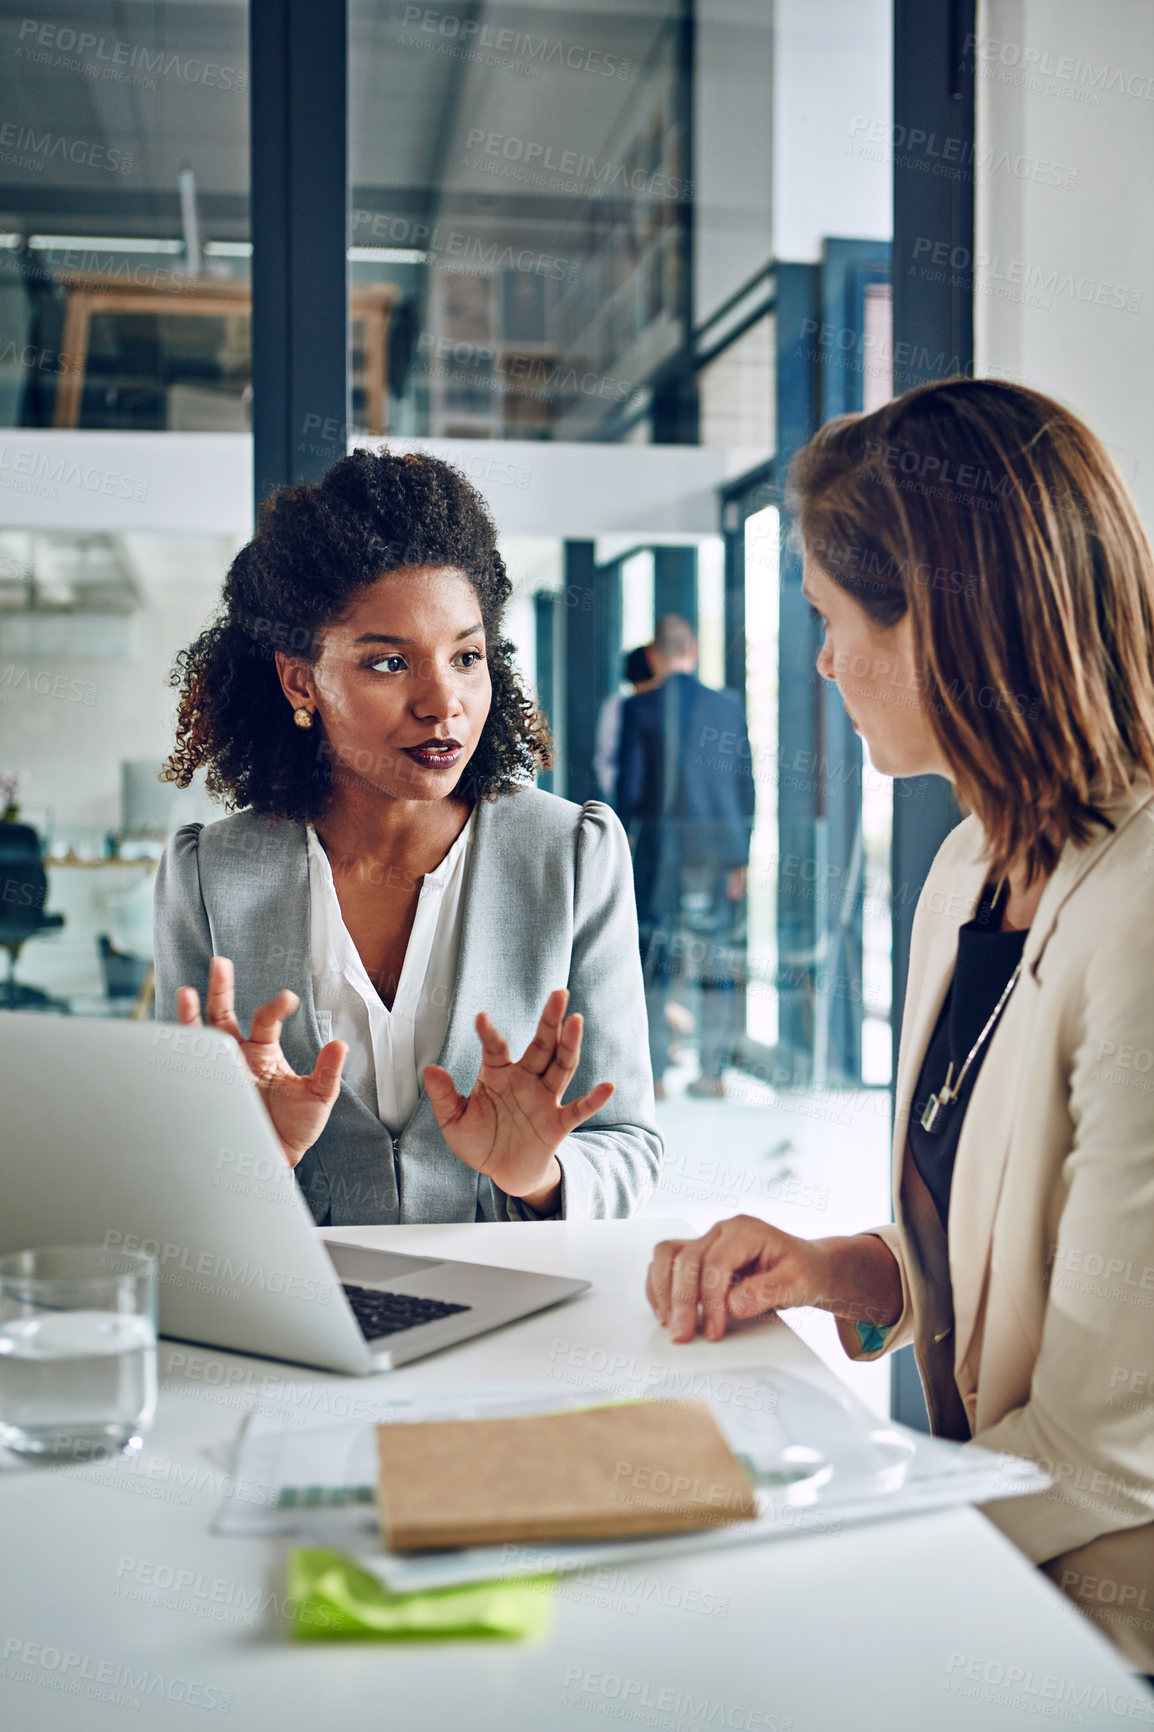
[(576, 177), (124, 311), (124, 236)]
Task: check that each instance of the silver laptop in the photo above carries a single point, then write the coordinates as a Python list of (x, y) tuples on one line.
[(152, 1137)]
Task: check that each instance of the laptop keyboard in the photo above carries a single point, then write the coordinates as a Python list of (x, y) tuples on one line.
[(389, 1313)]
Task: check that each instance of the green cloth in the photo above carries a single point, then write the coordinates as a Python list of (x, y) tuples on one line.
[(331, 1598)]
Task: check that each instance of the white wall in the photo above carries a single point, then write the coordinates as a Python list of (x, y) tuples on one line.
[(200, 482), (203, 482), (832, 86), (68, 722), (1065, 272), (552, 488)]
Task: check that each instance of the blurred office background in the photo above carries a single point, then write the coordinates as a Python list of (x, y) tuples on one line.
[(617, 264)]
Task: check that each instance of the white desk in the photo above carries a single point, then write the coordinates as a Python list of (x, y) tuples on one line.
[(874, 1629)]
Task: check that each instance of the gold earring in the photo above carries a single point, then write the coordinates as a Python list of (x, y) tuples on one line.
[(303, 717)]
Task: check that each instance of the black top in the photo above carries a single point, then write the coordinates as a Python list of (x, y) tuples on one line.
[(986, 960)]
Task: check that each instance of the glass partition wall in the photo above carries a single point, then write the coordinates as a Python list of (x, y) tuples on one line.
[(617, 266), (125, 399), (569, 219), (625, 264), (522, 193), (124, 256)]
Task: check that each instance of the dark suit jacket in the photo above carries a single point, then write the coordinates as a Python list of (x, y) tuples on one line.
[(684, 783)]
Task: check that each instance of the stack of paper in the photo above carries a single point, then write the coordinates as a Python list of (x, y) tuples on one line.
[(818, 1461)]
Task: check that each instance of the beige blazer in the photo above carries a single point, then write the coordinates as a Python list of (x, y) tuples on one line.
[(1033, 1326)]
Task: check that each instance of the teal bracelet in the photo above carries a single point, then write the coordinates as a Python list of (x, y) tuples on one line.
[(872, 1336)]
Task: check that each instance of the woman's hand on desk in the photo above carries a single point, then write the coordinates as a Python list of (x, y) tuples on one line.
[(738, 1269), (513, 1121), (744, 1267), (298, 1106)]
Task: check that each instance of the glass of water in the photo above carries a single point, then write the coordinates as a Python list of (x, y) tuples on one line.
[(77, 1351)]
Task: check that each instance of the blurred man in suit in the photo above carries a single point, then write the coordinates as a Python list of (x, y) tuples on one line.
[(685, 795)]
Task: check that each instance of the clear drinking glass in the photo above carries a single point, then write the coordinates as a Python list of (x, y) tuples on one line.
[(77, 1351)]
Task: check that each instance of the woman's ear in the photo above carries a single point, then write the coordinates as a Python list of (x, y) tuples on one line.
[(295, 679)]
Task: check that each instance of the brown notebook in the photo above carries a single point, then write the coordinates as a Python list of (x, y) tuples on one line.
[(644, 1467)]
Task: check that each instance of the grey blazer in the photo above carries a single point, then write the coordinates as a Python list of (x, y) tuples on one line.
[(548, 902)]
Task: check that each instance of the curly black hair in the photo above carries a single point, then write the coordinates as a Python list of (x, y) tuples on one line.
[(317, 546)]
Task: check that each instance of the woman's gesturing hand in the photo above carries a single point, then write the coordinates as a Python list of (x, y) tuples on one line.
[(299, 1106), (738, 1269), (510, 1125)]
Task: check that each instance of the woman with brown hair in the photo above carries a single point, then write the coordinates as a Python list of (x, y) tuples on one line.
[(987, 594)]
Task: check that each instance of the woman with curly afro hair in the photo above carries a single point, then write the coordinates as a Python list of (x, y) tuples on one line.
[(392, 886)]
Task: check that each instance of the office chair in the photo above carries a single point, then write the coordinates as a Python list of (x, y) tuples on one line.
[(23, 893), (127, 977), (124, 974)]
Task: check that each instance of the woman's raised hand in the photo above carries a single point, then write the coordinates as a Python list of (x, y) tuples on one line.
[(738, 1269), (299, 1106), (510, 1125)]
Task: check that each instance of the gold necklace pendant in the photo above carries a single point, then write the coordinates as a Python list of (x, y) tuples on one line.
[(937, 1102), (946, 1096), (933, 1112)]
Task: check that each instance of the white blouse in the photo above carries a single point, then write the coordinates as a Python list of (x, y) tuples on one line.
[(388, 1049)]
